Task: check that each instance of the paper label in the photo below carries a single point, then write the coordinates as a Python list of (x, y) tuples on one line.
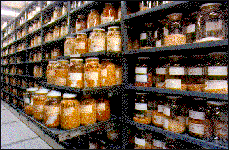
[(141, 78), (166, 123), (158, 43), (101, 106), (27, 100), (81, 45), (160, 70), (93, 75), (74, 77), (190, 28), (86, 109), (51, 119), (217, 70), (173, 83), (166, 31), (140, 106), (196, 128), (197, 115), (157, 143), (215, 25), (141, 142), (97, 44), (104, 72), (142, 70), (216, 84), (195, 71), (107, 19), (166, 111), (68, 111), (176, 70), (158, 119), (160, 108), (78, 25)]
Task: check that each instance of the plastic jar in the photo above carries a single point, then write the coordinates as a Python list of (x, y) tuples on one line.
[(93, 19), (142, 140), (52, 109), (92, 73), (97, 40), (157, 114), (114, 42), (62, 72), (161, 72), (28, 100), (175, 36), (69, 46), (81, 44), (55, 53), (108, 74), (75, 74), (109, 13), (50, 73), (210, 23), (88, 111), (39, 100), (190, 27), (81, 23)]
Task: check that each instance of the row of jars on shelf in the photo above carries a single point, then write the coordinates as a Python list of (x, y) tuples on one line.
[(200, 118), (35, 41), (8, 40), (34, 26), (21, 33), (79, 75), (54, 109)]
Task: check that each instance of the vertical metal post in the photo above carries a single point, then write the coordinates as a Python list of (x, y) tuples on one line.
[(69, 18)]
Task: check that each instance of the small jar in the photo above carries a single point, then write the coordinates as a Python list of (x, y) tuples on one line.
[(81, 44), (28, 100), (56, 12), (55, 53), (52, 109), (190, 27), (143, 75), (145, 5), (175, 36), (97, 40), (75, 74), (142, 113), (147, 36), (142, 140), (93, 19), (114, 43), (109, 13), (88, 111), (92, 73), (158, 34), (108, 74), (158, 141), (39, 100), (103, 109), (50, 73), (62, 72), (161, 72), (81, 23)]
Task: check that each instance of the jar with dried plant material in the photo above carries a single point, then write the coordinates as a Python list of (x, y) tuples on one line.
[(55, 53), (56, 12), (114, 42), (88, 110), (157, 112), (81, 23), (56, 32), (142, 139), (81, 44), (70, 112), (93, 18), (92, 73), (69, 46), (61, 71), (28, 100), (109, 13), (161, 72), (97, 40), (52, 109), (103, 109), (50, 73), (108, 72), (118, 74), (39, 100), (75, 75)]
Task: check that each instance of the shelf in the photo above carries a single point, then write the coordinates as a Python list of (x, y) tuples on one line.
[(51, 23), (55, 40), (184, 136), (184, 93), (88, 6)]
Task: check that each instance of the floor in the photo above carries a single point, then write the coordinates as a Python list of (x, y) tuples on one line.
[(16, 135)]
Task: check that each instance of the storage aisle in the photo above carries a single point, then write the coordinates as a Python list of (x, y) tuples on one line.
[(16, 135)]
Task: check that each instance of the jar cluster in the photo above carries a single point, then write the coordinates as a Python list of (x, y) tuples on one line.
[(64, 111), (36, 24), (21, 46), (77, 74), (21, 33), (37, 71), (199, 118), (33, 11), (9, 40), (145, 5), (35, 41)]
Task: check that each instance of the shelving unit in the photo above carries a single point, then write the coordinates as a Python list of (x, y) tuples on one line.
[(121, 119)]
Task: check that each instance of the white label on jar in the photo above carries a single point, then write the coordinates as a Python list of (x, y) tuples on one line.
[(196, 115), (166, 111), (157, 143), (217, 70), (78, 25), (93, 76), (166, 31), (51, 119), (140, 106), (142, 70), (195, 71), (52, 110), (142, 36), (160, 70), (215, 25), (107, 19), (176, 70), (160, 108), (190, 28), (81, 45), (141, 78), (158, 119), (101, 106), (86, 109), (116, 42), (173, 83), (61, 81), (74, 77), (216, 84), (68, 111), (27, 100), (92, 146), (166, 123), (155, 34), (141, 142), (104, 72), (196, 128), (158, 43)]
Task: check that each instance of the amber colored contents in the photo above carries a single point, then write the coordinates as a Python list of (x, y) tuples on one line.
[(157, 118), (147, 146), (142, 120), (38, 106), (29, 110), (51, 115), (177, 125), (69, 46), (118, 75), (55, 53), (109, 14), (108, 75), (206, 125), (195, 87), (103, 110), (50, 73), (88, 111), (174, 39), (160, 85), (114, 43), (93, 18), (81, 44), (62, 72), (220, 91), (97, 41), (81, 23)]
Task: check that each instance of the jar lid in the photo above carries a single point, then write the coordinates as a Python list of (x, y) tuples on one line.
[(215, 103), (92, 58), (62, 60), (99, 29), (68, 95), (42, 90), (175, 16), (54, 93), (80, 33), (32, 89), (52, 61), (76, 59), (210, 5), (113, 27)]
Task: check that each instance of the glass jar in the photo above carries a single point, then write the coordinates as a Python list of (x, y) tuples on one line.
[(145, 5), (81, 23), (141, 113), (55, 53), (108, 74), (158, 141), (92, 73), (109, 13), (88, 111), (158, 34), (76, 75), (103, 109), (52, 109), (56, 32), (50, 73), (147, 36), (210, 23), (161, 72), (70, 112), (114, 43), (28, 100), (93, 19), (190, 27), (175, 36), (142, 140), (176, 78), (56, 12), (143, 75), (39, 100), (62, 72), (217, 73), (97, 40), (174, 118), (118, 74), (81, 44), (69, 46)]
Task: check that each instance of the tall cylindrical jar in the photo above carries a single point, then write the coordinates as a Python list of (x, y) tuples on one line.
[(62, 72), (81, 44), (114, 43), (93, 19), (109, 13), (81, 23), (50, 72), (161, 72), (107, 73), (103, 109), (69, 46), (28, 100), (97, 40)]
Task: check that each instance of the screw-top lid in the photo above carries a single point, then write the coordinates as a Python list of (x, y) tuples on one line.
[(68, 95), (75, 59), (92, 58), (113, 27), (42, 90), (54, 93), (32, 89), (98, 29)]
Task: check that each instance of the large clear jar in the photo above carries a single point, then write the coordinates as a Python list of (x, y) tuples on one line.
[(109, 13), (108, 74), (76, 73), (217, 73), (161, 72), (93, 19), (50, 72), (175, 35), (97, 40), (81, 23), (39, 100), (174, 118), (103, 109), (190, 27), (81, 44), (141, 113), (157, 113), (28, 100), (210, 23), (52, 109), (69, 46), (88, 110), (92, 73), (62, 72), (142, 139), (114, 43), (70, 112)]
